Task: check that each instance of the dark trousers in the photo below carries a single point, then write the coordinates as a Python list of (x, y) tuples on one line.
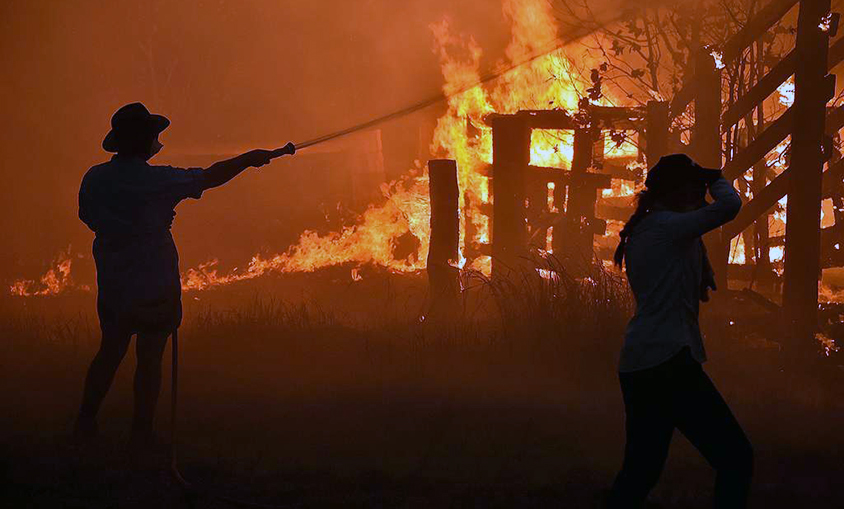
[(678, 394), (115, 342)]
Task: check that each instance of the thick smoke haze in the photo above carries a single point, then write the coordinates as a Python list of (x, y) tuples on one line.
[(229, 74)]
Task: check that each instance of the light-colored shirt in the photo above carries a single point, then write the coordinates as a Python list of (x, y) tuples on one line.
[(129, 204), (663, 258)]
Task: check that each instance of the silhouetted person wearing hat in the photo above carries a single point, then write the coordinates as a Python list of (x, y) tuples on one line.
[(129, 204), (662, 380)]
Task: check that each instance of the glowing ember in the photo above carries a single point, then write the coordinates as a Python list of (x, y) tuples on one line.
[(827, 343), (826, 23), (719, 59)]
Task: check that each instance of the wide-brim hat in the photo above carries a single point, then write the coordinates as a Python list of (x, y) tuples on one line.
[(132, 121), (674, 170)]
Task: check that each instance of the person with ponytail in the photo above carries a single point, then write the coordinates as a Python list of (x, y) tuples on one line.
[(662, 380)]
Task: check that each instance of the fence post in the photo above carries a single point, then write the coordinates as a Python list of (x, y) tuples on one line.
[(813, 88), (706, 147), (573, 243), (656, 131), (510, 160), (445, 234)]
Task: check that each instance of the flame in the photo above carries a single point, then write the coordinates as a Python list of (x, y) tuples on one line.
[(402, 218), (395, 232), (828, 344), (55, 281), (619, 187), (719, 59), (737, 250), (460, 134), (372, 240)]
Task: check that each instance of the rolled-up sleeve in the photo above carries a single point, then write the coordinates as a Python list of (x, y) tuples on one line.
[(184, 182)]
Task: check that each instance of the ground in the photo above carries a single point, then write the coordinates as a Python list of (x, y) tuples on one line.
[(286, 402)]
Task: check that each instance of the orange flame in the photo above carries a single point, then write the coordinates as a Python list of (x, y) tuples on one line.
[(56, 280), (551, 81), (461, 134)]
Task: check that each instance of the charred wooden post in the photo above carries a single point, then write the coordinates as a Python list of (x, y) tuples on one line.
[(537, 209), (576, 242), (445, 234), (561, 194), (706, 146), (510, 160), (471, 247), (813, 88), (656, 131)]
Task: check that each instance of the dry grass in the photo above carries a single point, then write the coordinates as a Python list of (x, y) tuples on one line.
[(512, 404)]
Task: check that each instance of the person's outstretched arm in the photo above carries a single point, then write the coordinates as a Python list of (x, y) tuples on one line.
[(221, 172), (692, 224)]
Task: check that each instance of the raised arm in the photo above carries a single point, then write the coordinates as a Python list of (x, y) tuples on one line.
[(694, 224), (221, 172)]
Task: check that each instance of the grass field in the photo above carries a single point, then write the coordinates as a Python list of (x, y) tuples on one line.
[(315, 391)]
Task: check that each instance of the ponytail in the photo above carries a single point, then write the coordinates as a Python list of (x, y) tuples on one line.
[(644, 204)]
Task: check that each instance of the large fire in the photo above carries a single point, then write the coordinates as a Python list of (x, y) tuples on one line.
[(552, 81), (548, 82)]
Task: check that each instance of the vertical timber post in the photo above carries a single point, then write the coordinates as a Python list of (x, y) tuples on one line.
[(706, 145), (576, 238), (813, 88), (510, 160), (445, 235), (656, 131)]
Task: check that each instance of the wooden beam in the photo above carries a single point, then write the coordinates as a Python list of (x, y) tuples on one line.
[(572, 240), (802, 245), (759, 147), (538, 119), (706, 144), (706, 134), (758, 206), (772, 80), (619, 118), (443, 278), (773, 192), (606, 117), (765, 87), (511, 156), (771, 137), (656, 132), (756, 27)]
